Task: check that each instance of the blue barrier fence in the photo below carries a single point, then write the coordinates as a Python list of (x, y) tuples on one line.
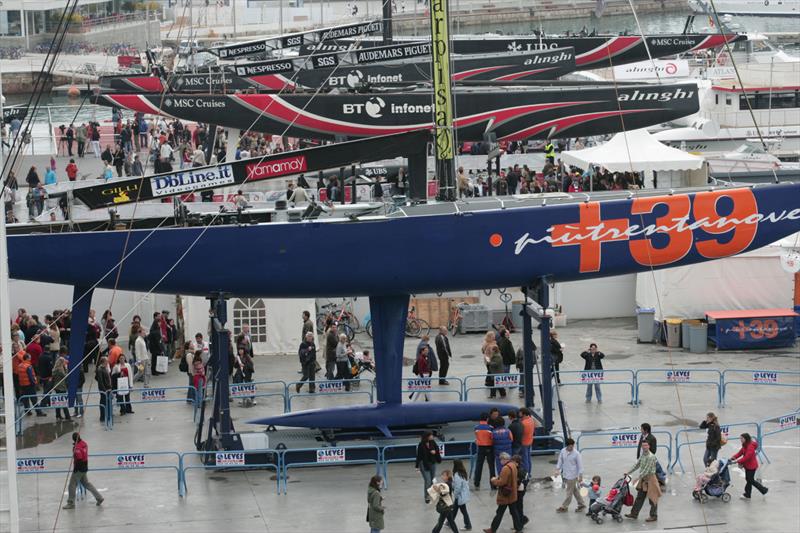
[(280, 461), (498, 381), (334, 387), (117, 462), (781, 423), (407, 453), (431, 385), (318, 457), (266, 459), (622, 440), (696, 436), (158, 395), (692, 376), (259, 389), (55, 401), (773, 378), (601, 377)]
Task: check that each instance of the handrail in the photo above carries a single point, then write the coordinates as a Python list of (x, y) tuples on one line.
[(679, 376)]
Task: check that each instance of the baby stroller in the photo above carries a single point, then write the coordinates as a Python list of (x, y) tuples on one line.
[(716, 486), (618, 495)]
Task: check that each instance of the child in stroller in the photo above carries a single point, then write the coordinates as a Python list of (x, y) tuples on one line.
[(714, 481), (360, 362), (618, 495)]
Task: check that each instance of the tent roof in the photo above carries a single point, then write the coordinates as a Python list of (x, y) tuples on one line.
[(633, 150)]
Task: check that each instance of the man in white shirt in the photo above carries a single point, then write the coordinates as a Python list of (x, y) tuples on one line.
[(571, 467), (142, 356)]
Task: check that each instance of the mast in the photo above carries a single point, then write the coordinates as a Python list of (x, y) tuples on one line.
[(9, 411), (387, 22), (442, 99)]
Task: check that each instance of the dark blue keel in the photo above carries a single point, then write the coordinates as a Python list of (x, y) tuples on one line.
[(388, 315)]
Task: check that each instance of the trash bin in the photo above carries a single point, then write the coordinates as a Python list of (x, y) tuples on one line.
[(674, 332), (685, 333), (645, 319), (698, 337)]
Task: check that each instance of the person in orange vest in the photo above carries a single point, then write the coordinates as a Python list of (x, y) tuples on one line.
[(483, 440), (528, 430), (27, 385), (114, 351)]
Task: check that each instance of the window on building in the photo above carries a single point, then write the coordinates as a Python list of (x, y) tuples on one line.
[(780, 100), (251, 311)]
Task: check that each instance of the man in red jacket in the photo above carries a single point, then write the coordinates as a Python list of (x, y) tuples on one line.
[(80, 459)]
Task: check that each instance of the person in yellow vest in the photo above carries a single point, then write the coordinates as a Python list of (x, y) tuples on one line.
[(550, 152)]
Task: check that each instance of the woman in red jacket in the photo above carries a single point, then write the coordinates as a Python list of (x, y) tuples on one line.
[(749, 461)]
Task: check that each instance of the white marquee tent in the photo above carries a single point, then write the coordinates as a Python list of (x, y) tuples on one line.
[(635, 151), (754, 280)]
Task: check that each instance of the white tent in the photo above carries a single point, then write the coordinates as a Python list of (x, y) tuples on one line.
[(635, 151), (754, 280)]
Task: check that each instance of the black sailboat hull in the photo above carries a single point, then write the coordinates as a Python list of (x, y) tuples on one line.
[(509, 114), (535, 65), (590, 52)]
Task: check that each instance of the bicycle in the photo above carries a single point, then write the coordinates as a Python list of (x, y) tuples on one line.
[(454, 320), (339, 314), (416, 327)]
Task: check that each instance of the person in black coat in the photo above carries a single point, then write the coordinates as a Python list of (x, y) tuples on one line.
[(594, 361), (428, 457), (444, 353), (506, 350), (155, 342), (556, 354)]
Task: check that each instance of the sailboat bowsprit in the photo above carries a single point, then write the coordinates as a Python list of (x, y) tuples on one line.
[(511, 114)]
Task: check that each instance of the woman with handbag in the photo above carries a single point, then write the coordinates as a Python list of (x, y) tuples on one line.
[(713, 438), (427, 458), (506, 483), (495, 366), (375, 508), (441, 494), (122, 380)]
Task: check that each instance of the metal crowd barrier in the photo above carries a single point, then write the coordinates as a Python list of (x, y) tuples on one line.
[(407, 453), (57, 401), (121, 462), (156, 395), (592, 377), (785, 423), (774, 378), (430, 385), (621, 440), (252, 390), (344, 455), (725, 430), (332, 387), (679, 377), (235, 460), (501, 381)]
